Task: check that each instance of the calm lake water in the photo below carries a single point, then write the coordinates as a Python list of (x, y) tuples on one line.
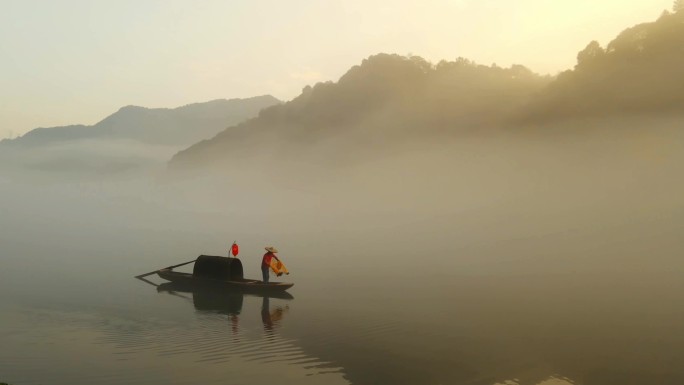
[(424, 301)]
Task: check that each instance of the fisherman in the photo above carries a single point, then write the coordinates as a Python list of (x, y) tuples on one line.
[(266, 261)]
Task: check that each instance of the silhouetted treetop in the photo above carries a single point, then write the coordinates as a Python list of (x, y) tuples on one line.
[(641, 71), (405, 89)]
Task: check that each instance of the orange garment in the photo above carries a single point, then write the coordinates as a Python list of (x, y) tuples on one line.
[(278, 267)]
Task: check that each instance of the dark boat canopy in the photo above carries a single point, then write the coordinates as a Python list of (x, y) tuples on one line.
[(223, 268)]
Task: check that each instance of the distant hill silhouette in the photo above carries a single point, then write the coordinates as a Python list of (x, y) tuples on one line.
[(129, 141), (160, 126)]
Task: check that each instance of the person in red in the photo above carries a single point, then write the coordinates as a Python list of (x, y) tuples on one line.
[(266, 261)]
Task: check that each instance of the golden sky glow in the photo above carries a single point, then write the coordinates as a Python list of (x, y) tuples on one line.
[(74, 62)]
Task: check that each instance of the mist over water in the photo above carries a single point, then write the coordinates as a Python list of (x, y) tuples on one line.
[(443, 223), (542, 255)]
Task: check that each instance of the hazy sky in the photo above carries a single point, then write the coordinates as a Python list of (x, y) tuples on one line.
[(77, 61)]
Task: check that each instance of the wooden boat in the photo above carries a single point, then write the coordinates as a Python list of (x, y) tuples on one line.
[(220, 272), (244, 284), (220, 291)]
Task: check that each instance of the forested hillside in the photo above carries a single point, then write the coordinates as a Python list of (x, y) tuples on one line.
[(388, 97), (640, 72)]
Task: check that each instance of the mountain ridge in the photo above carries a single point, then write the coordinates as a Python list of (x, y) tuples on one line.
[(166, 126), (389, 96)]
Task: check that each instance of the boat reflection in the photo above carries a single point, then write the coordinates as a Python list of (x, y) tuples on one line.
[(229, 302)]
